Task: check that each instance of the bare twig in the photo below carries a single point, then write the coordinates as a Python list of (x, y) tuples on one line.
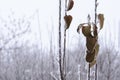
[(60, 53), (64, 51), (96, 11), (89, 72), (96, 28), (53, 76), (13, 37)]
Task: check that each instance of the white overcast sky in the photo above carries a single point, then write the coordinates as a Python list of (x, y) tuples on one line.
[(48, 10)]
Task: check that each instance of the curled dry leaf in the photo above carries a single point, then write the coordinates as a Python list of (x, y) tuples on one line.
[(97, 49), (90, 56), (101, 19), (70, 5), (86, 30), (90, 43), (68, 19), (96, 53), (79, 27)]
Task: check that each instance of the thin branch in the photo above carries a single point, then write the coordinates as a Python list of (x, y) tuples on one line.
[(13, 37), (60, 53), (53, 76), (97, 33), (96, 72), (64, 51), (95, 11), (89, 72)]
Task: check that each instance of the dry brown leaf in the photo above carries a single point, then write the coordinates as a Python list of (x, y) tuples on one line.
[(90, 43), (97, 49), (86, 30), (68, 19), (101, 19), (80, 26), (90, 56), (70, 5)]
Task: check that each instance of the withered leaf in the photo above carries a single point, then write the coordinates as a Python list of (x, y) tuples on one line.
[(68, 19), (70, 5), (101, 19), (90, 56), (86, 30), (96, 49), (79, 27), (90, 43)]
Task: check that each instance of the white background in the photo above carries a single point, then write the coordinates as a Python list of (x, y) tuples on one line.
[(48, 10)]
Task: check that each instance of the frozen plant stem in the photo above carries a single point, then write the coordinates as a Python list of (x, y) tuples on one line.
[(96, 4), (64, 51), (95, 10), (96, 72), (64, 55), (60, 54), (89, 72)]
